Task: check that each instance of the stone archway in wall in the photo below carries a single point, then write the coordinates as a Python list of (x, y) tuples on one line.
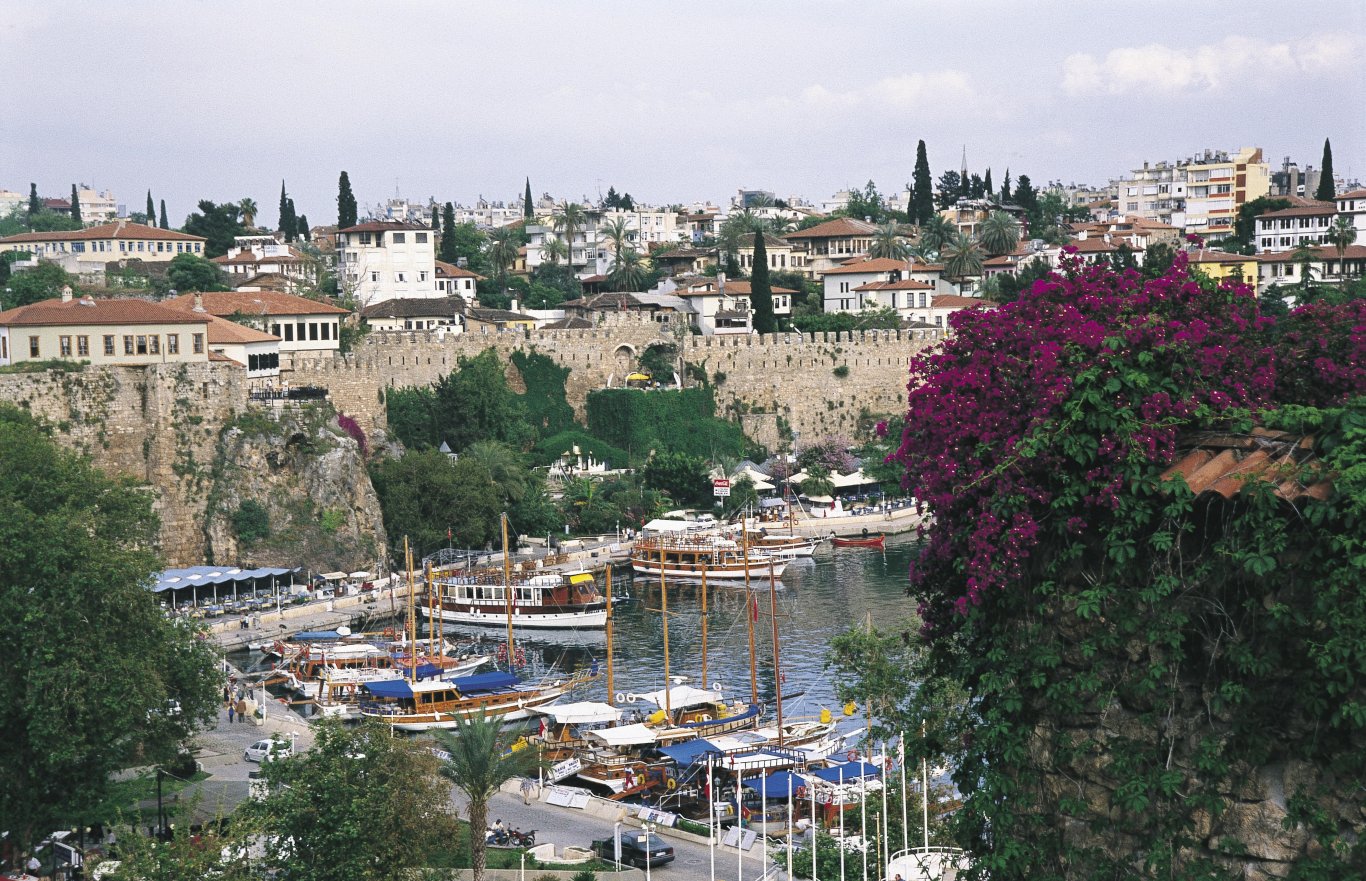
[(625, 356)]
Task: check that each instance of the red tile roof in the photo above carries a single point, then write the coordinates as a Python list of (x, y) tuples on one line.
[(954, 301), (450, 270), (908, 284), (1223, 463), (1316, 209), (225, 332), (1319, 252), (1354, 194), (1204, 255), (224, 303), (733, 289), (385, 226), (120, 229), (86, 310), (876, 264), (840, 227)]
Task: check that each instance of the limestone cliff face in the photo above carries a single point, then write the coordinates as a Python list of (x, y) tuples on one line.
[(309, 479)]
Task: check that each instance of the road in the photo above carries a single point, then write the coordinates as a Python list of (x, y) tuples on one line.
[(567, 826)]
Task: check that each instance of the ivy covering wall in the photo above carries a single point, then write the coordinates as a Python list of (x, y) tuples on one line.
[(681, 421)]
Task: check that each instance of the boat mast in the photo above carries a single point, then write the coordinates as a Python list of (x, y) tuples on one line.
[(412, 613), (664, 614), (704, 626), (507, 586), (611, 701), (749, 615), (777, 665), (431, 611)]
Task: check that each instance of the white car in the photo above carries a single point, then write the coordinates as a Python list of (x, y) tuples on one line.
[(266, 750)]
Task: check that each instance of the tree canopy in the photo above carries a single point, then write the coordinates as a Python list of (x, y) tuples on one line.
[(218, 224), (346, 202), (43, 282), (190, 272), (94, 666), (424, 494)]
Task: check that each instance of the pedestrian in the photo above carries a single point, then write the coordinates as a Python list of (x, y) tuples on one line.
[(226, 694), (231, 708), (527, 788), (242, 710)]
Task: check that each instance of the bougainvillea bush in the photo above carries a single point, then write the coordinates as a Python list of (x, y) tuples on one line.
[(1134, 653)]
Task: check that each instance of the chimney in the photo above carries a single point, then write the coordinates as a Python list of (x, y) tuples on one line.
[(66, 293), (514, 304), (198, 303)]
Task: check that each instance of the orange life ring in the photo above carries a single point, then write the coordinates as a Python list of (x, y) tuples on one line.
[(852, 755), (801, 792)]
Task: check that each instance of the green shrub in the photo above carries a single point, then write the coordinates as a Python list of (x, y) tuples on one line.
[(251, 522), (841, 371), (332, 520)]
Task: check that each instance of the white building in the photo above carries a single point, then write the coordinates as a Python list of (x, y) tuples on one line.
[(96, 206), (304, 328), (722, 307), (1352, 205), (842, 283), (253, 255), (452, 280), (1289, 228), (380, 260)]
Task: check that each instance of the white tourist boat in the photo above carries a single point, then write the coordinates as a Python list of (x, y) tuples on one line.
[(546, 601)]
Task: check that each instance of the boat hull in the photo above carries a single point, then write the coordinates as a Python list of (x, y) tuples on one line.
[(694, 572), (871, 542), (550, 620)]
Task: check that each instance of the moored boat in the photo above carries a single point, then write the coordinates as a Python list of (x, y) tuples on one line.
[(437, 703), (544, 601), (691, 557), (878, 541)]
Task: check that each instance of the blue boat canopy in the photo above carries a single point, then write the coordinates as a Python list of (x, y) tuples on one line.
[(389, 688), (779, 784), (689, 751), (848, 771), (481, 682), (315, 635)]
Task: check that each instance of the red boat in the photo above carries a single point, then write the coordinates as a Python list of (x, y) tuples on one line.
[(869, 541)]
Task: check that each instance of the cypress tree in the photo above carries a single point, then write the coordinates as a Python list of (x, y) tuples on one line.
[(151, 209), (164, 224), (923, 198), (34, 203), (436, 217), (1327, 190), (286, 224), (1005, 187), (346, 203), (527, 210), (75, 205), (301, 227), (292, 232), (760, 291), (987, 189), (448, 254)]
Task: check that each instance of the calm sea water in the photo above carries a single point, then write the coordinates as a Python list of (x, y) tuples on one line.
[(817, 598)]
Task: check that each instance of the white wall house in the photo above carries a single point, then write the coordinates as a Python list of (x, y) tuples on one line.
[(1353, 205), (305, 328), (1289, 228), (842, 282), (381, 260), (722, 307)]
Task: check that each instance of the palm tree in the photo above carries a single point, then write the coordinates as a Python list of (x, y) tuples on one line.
[(1304, 256), (628, 270), (506, 471), (962, 257), (503, 247), (1341, 236), (553, 250), (479, 762), (570, 219), (616, 232), (936, 232), (888, 243), (818, 482), (248, 209), (999, 233)]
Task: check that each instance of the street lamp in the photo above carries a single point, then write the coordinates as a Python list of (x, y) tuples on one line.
[(649, 848)]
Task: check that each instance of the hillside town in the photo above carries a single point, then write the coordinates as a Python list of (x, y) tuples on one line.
[(904, 486)]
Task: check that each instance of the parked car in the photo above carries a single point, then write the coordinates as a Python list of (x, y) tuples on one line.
[(638, 849), (267, 750)]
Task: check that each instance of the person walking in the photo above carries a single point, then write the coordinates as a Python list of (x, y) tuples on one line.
[(231, 708), (242, 710)]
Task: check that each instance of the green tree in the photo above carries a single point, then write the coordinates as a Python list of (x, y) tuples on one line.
[(94, 662), (935, 232), (1007, 287), (34, 203), (1245, 224), (450, 250), (683, 477), (1028, 199), (866, 204), (360, 804), (611, 200), (528, 210), (411, 413), (888, 243), (505, 469), (569, 221), (962, 257), (75, 205), (287, 215), (43, 282), (987, 190), (346, 203), (552, 284), (51, 221), (999, 233), (474, 403), (435, 210), (164, 224), (248, 208), (760, 291), (922, 200), (1341, 235), (1005, 187), (480, 759), (1327, 187), (151, 207), (1157, 259), (743, 497), (502, 252), (190, 272), (628, 271), (425, 493), (302, 230), (218, 224), (251, 522), (554, 250), (950, 189), (617, 233), (817, 482)]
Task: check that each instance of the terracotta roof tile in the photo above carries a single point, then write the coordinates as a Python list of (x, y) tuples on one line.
[(385, 226), (1314, 210), (1223, 464), (256, 303), (117, 230), (416, 307), (450, 270), (85, 310), (840, 227), (876, 264), (226, 332)]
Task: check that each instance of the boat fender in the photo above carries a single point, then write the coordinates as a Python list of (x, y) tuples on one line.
[(621, 697), (671, 785), (865, 532)]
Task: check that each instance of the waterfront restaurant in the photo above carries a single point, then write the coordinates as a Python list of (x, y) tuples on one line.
[(218, 590)]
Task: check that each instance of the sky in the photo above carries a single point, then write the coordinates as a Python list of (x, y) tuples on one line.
[(671, 102)]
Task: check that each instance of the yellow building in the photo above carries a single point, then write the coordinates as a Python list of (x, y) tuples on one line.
[(107, 241), (104, 332), (1220, 265), (1218, 184)]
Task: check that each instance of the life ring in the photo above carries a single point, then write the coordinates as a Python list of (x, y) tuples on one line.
[(630, 698), (705, 717), (716, 686), (801, 792), (852, 755), (671, 784), (621, 697)]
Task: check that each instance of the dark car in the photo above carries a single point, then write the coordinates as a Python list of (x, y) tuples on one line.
[(638, 849)]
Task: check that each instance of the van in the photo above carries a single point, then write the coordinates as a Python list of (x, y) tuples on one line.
[(266, 750)]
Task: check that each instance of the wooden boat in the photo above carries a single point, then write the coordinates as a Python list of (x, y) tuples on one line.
[(784, 545), (438, 703), (541, 601), (869, 541), (689, 557)]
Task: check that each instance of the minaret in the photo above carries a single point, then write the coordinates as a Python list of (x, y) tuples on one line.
[(964, 172)]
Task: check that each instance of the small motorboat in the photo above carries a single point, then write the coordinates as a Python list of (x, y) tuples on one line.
[(868, 541)]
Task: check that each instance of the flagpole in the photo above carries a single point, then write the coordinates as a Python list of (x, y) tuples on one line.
[(863, 817), (811, 791), (739, 823)]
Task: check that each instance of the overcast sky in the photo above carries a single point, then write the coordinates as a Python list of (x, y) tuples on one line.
[(670, 101)]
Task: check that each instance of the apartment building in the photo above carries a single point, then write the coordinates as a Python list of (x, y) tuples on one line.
[(1286, 229), (385, 260), (92, 247), (129, 333), (1200, 194)]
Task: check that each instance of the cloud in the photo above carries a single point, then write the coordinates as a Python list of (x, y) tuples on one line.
[(1234, 61), (910, 91)]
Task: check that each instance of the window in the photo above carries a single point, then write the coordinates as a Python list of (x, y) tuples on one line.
[(173, 344), (154, 344), (198, 247), (313, 330), (127, 345), (275, 330), (140, 244), (198, 343), (374, 276), (400, 238), (335, 334), (142, 345), (420, 238), (109, 345), (399, 277), (365, 238), (289, 333), (33, 347), (4, 347), (83, 346), (64, 346), (299, 331), (327, 330), (422, 275)]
